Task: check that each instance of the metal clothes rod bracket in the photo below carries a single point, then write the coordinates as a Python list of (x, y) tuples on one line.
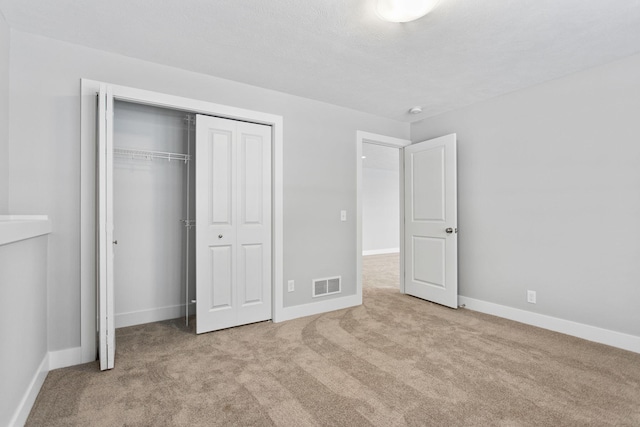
[(190, 119), (188, 222)]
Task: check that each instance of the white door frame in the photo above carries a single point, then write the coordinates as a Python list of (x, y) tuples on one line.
[(388, 141), (88, 106)]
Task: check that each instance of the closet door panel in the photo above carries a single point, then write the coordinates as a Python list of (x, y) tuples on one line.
[(252, 179), (221, 172), (254, 228), (216, 294), (221, 278), (233, 211), (250, 280), (106, 322)]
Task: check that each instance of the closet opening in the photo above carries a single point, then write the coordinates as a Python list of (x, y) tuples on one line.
[(187, 200), (238, 171), (153, 214)]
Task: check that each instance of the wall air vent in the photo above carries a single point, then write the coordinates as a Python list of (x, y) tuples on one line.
[(327, 286)]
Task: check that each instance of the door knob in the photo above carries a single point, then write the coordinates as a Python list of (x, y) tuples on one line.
[(115, 242), (220, 236), (450, 230)]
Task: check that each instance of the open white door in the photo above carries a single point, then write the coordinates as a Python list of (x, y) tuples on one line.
[(233, 223), (431, 216), (106, 326)]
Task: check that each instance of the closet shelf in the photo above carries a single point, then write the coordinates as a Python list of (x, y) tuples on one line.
[(150, 155)]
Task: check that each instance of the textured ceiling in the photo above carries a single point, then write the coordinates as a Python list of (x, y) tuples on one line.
[(338, 51)]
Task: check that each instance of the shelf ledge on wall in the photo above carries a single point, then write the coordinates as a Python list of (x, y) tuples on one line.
[(14, 228)]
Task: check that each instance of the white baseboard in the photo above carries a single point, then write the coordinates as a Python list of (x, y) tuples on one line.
[(132, 318), (289, 313), (381, 251), (580, 330), (26, 403), (63, 358)]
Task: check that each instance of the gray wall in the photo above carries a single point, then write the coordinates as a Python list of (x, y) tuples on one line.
[(5, 36), (549, 196), (380, 209), (23, 319), (319, 163)]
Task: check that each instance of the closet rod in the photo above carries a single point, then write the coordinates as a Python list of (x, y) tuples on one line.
[(149, 155)]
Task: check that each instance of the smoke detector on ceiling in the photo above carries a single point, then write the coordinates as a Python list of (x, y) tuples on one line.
[(415, 110)]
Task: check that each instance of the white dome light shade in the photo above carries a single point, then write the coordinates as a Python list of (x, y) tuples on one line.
[(404, 10)]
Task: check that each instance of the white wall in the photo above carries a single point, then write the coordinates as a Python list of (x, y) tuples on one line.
[(5, 36), (149, 202), (319, 159), (549, 196), (380, 210), (23, 321)]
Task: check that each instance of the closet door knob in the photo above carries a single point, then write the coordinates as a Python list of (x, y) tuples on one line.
[(219, 236), (115, 242)]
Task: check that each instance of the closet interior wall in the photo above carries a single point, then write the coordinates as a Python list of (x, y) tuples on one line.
[(150, 203)]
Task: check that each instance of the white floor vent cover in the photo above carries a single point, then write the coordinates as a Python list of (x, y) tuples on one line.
[(327, 286)]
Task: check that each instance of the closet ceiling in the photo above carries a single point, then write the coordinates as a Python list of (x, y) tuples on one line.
[(338, 51)]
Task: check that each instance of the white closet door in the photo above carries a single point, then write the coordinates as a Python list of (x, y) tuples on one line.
[(233, 223), (431, 242), (106, 325)]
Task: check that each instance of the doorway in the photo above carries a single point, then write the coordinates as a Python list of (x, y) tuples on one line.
[(380, 216), (92, 126), (232, 217), (428, 216), (367, 143)]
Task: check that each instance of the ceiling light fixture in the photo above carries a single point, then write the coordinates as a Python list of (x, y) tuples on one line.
[(404, 10), (415, 110)]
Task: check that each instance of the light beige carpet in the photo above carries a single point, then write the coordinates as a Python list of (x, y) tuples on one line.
[(381, 271), (394, 361)]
